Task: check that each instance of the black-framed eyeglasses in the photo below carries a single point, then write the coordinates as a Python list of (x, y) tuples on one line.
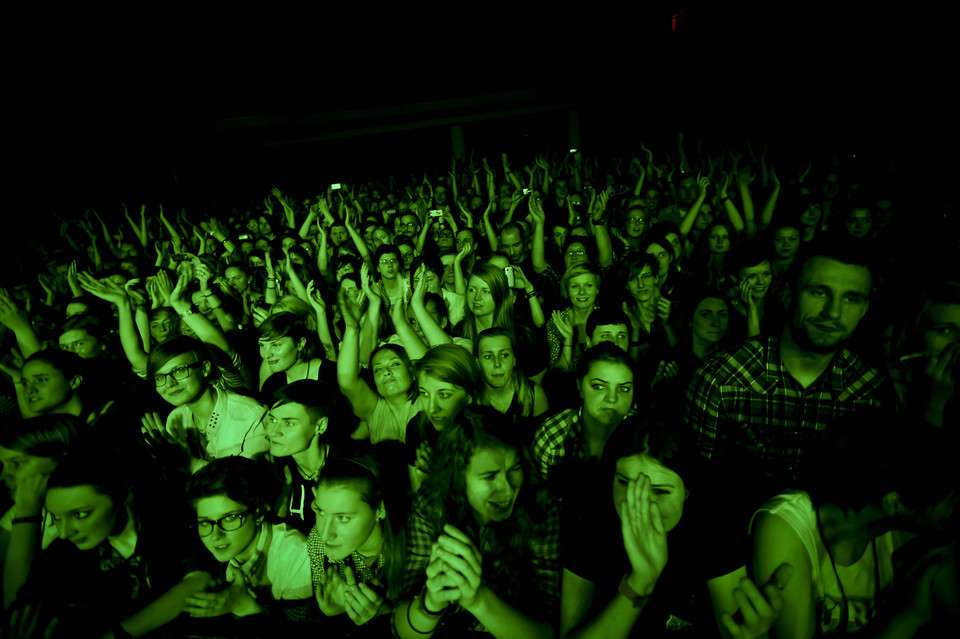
[(178, 373), (637, 220), (227, 523), (389, 261)]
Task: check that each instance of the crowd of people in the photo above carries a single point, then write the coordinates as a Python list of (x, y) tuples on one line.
[(585, 397)]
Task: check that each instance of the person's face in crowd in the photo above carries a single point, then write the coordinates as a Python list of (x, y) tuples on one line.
[(81, 342), (288, 242), (410, 225), (575, 254), (381, 237), (226, 545), (505, 192), (676, 244), (448, 274), (476, 204), (368, 235), (179, 392), (786, 242), (253, 226), (582, 291), (264, 225), (202, 303), (431, 307), (719, 239), (759, 277), (390, 374), (262, 245), (859, 223), (830, 300), (18, 466), (407, 255), (280, 353), (576, 201), (811, 216), (255, 261), (440, 195), (433, 280), (607, 392), (444, 238), (130, 268), (667, 490), (45, 387), (345, 522), (560, 189), (831, 186), (388, 266), (76, 308), (704, 217), (161, 324), (643, 287), (885, 211), (579, 231), (465, 239), (616, 334), (338, 234), (636, 222), (652, 198), (941, 327), (687, 190), (82, 515), (710, 320), (440, 401), (479, 300), (127, 250), (246, 247), (497, 361), (560, 236), (290, 429), (493, 481), (662, 253), (236, 279)]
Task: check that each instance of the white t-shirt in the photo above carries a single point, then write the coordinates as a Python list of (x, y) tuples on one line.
[(235, 427)]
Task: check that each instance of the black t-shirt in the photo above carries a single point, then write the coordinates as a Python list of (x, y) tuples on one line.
[(680, 602)]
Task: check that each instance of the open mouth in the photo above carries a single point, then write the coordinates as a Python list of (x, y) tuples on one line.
[(501, 507)]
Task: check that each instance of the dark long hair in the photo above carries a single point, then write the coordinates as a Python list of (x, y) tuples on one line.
[(505, 545)]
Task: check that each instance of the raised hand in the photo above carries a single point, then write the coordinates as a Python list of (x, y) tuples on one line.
[(360, 600), (372, 295), (644, 537), (330, 591), (349, 309), (562, 321), (105, 289), (315, 299), (745, 177), (663, 308), (164, 287), (757, 609), (746, 296)]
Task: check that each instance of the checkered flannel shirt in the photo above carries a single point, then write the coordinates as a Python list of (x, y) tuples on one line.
[(743, 404)]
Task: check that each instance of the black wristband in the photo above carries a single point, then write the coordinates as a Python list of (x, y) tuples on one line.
[(29, 519)]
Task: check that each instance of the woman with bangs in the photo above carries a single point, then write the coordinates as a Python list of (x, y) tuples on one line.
[(506, 387), (651, 335), (358, 546), (489, 302), (287, 350), (567, 333), (207, 421), (482, 551)]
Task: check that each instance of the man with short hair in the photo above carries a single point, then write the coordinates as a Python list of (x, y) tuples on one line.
[(758, 409), (611, 326)]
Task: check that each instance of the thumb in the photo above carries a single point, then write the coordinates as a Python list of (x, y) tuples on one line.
[(781, 576)]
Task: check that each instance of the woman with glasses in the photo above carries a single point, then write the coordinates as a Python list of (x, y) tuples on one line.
[(207, 421), (261, 563), (651, 334), (636, 221)]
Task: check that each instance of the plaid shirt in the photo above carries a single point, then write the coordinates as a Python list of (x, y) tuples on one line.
[(558, 437), (746, 408), (544, 557)]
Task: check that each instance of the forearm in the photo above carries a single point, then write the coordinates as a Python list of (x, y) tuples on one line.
[(348, 360), (369, 333), (604, 245), (21, 549), (766, 215), (615, 621), (166, 607), (270, 290), (504, 621), (326, 337), (27, 339), (686, 224), (307, 223), (130, 340), (459, 282), (492, 239), (431, 330), (410, 341), (748, 211), (538, 251), (536, 311)]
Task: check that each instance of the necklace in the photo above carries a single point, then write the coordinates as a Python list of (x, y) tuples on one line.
[(312, 475)]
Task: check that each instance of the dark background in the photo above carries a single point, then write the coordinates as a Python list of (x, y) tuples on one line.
[(211, 110)]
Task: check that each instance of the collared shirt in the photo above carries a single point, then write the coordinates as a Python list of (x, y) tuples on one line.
[(746, 407), (235, 427), (558, 437)]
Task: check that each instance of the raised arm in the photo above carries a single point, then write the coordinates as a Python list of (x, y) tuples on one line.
[(16, 321), (361, 397), (538, 254), (130, 339), (492, 238), (409, 339), (767, 214), (600, 233), (204, 329), (744, 178), (431, 330), (323, 326), (686, 224)]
